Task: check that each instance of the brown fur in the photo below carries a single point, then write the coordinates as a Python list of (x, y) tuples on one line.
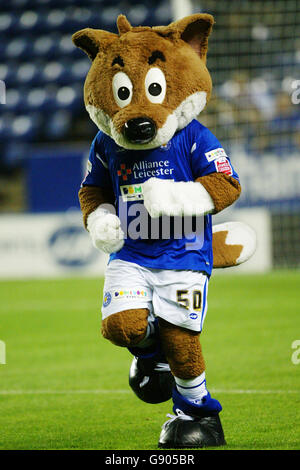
[(126, 328), (224, 255), (183, 350), (223, 189), (123, 24), (91, 197)]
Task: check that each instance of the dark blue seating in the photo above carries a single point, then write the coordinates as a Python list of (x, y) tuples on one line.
[(58, 125), (42, 69)]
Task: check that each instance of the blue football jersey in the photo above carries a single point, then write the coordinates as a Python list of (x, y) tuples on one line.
[(166, 242)]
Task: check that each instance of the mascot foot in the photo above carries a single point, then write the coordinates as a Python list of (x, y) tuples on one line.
[(150, 380), (183, 431), (194, 425)]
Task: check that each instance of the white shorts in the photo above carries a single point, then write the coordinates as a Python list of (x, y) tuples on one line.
[(179, 297)]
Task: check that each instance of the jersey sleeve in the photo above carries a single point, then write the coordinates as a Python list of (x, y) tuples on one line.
[(208, 155), (97, 173)]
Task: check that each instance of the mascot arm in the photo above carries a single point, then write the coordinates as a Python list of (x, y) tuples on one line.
[(223, 189), (91, 197), (103, 226), (208, 194)]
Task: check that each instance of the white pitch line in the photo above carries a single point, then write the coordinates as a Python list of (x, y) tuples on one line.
[(253, 392), (113, 392)]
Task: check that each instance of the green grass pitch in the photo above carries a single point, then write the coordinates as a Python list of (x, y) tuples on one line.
[(65, 387)]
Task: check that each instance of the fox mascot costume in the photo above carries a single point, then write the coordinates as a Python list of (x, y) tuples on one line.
[(152, 157)]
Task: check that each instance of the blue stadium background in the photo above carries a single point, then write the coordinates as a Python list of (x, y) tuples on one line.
[(45, 132)]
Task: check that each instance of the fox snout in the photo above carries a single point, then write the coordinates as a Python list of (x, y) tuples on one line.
[(140, 130)]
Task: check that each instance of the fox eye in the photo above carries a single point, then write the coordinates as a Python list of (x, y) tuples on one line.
[(122, 89), (155, 84)]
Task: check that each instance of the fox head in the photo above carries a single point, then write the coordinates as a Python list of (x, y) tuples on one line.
[(146, 83)]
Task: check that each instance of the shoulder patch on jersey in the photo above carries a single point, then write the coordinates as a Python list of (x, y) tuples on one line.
[(214, 154), (223, 166)]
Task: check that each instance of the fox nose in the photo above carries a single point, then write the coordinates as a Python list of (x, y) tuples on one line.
[(139, 130)]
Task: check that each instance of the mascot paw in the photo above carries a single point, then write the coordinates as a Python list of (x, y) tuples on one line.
[(151, 381), (105, 230), (181, 198), (183, 431), (158, 198)]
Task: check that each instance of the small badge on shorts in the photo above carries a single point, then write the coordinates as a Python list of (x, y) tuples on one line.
[(106, 299), (130, 294)]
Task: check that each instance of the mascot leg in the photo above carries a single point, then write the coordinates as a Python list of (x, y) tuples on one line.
[(197, 422), (149, 376), (126, 328)]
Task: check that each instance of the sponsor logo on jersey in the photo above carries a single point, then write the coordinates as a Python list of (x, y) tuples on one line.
[(214, 154), (223, 166), (124, 172), (143, 170), (131, 192)]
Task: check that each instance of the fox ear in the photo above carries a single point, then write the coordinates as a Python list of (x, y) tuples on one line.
[(123, 24), (193, 29), (90, 40)]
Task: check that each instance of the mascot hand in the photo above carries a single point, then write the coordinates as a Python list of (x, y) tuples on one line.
[(167, 197), (105, 230)]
